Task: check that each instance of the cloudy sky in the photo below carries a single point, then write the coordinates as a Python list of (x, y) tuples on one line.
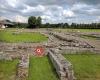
[(52, 11)]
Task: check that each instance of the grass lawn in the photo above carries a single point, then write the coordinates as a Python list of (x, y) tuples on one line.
[(41, 69), (86, 66), (11, 36), (90, 37), (8, 70), (78, 30)]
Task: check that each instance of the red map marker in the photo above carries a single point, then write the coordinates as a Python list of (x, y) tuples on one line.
[(39, 51)]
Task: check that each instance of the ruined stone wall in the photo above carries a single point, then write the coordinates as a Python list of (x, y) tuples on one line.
[(22, 68), (4, 56), (63, 67), (71, 41), (73, 50)]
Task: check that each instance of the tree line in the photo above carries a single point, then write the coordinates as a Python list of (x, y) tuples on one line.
[(36, 22), (73, 26)]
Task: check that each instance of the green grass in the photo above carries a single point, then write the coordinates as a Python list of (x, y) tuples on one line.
[(86, 66), (41, 69), (78, 30), (90, 37), (8, 70), (11, 36)]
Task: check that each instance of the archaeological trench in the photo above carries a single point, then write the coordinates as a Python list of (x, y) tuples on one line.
[(58, 43)]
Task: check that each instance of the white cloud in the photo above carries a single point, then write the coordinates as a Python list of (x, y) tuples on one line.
[(51, 11), (98, 17), (48, 12), (93, 11), (79, 6), (45, 17), (2, 6), (19, 18), (49, 19), (39, 8), (68, 13), (12, 3)]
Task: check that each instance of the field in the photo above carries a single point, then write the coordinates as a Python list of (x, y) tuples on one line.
[(12, 36), (86, 66), (41, 69), (8, 70)]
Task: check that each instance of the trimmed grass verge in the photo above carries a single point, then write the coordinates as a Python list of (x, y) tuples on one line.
[(86, 66), (41, 69), (8, 70)]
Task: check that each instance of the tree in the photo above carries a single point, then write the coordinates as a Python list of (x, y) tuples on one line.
[(38, 21), (32, 22), (66, 25)]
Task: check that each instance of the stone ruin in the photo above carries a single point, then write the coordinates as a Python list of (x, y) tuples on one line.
[(63, 68), (63, 43), (4, 56), (71, 41), (22, 68)]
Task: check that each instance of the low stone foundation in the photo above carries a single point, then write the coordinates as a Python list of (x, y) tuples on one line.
[(71, 41), (63, 67), (4, 56), (22, 68)]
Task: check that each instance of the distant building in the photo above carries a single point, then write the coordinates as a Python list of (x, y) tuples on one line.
[(5, 23)]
